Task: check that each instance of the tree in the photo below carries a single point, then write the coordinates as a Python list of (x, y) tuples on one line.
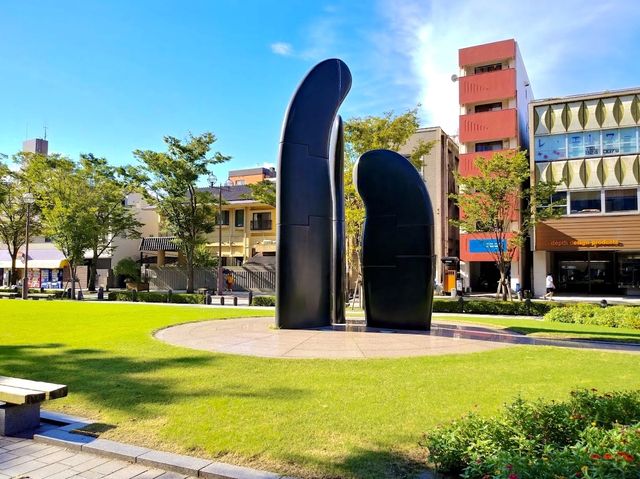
[(170, 183), (497, 203), (67, 209), (107, 187), (13, 215), (264, 191), (388, 132)]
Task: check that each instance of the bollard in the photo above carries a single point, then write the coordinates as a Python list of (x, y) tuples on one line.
[(169, 293), (67, 294), (134, 295), (80, 295), (207, 298), (461, 304), (527, 306), (235, 301), (221, 300), (250, 298), (100, 293), (603, 303)]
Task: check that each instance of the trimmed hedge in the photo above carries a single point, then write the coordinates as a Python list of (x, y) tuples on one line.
[(264, 301), (156, 297), (475, 306), (56, 292), (590, 435), (612, 316)]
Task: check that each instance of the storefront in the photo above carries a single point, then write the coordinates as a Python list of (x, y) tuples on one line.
[(595, 255)]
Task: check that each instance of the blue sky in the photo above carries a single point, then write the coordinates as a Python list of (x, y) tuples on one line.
[(112, 76)]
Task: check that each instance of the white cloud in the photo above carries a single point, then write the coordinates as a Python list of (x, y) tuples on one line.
[(282, 48), (422, 39)]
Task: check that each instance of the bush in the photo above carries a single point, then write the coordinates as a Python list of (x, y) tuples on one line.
[(613, 316), (590, 435), (474, 306), (264, 301), (128, 268), (156, 297)]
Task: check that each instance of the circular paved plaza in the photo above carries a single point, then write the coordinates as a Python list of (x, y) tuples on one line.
[(259, 337)]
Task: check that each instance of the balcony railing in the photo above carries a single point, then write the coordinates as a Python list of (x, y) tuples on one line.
[(486, 87), (261, 225), (488, 126)]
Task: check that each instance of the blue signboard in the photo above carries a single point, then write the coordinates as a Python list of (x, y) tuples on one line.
[(485, 245)]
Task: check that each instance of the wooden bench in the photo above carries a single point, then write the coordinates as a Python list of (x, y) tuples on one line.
[(9, 295), (20, 403)]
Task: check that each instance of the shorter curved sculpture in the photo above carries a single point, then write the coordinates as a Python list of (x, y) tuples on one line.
[(397, 242)]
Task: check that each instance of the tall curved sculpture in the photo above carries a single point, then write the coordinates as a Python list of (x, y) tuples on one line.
[(305, 199), (338, 253), (397, 242)]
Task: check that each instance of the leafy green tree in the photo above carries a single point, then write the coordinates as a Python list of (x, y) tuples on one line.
[(170, 183), (264, 192), (107, 187), (129, 268), (497, 203), (388, 132), (203, 257), (13, 215), (67, 209)]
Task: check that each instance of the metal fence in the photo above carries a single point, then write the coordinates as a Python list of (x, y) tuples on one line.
[(257, 278)]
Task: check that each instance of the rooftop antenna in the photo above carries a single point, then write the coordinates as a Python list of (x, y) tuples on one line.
[(45, 130)]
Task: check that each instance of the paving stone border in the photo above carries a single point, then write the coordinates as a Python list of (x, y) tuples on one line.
[(51, 432)]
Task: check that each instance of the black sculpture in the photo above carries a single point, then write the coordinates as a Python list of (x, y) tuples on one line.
[(338, 253), (397, 242), (308, 232)]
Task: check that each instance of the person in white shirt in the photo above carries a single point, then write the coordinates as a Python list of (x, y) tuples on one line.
[(551, 288)]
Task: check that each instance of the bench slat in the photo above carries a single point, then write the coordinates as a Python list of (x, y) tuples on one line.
[(15, 395), (51, 391)]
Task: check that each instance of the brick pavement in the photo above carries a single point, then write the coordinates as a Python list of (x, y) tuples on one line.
[(24, 458)]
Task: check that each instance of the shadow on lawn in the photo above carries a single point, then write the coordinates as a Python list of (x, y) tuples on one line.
[(123, 383), (373, 464)]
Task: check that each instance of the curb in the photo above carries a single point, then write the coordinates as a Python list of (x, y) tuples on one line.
[(188, 465)]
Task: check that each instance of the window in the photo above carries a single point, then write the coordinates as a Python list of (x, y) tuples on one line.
[(488, 107), (551, 148), (240, 182), (610, 142), (592, 143), (628, 140), (489, 146), (621, 200), (224, 220), (576, 145), (585, 202), (261, 221), (488, 68), (558, 202), (239, 218)]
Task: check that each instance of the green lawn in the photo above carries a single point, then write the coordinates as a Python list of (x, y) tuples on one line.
[(313, 418)]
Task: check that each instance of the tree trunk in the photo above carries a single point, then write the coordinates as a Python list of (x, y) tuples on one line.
[(93, 272), (14, 271), (190, 275), (72, 270)]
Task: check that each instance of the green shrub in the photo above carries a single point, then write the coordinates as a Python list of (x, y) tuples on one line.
[(595, 435), (129, 268), (156, 297), (264, 301), (475, 306), (613, 316)]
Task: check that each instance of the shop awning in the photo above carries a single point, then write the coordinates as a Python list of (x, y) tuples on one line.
[(41, 256)]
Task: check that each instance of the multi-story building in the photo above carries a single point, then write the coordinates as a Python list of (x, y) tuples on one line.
[(247, 227), (589, 144), (248, 176), (438, 168), (494, 92)]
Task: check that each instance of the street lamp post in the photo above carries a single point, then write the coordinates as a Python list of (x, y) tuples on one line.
[(220, 277), (28, 199)]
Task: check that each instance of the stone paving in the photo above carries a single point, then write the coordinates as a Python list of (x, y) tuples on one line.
[(24, 458), (258, 337)]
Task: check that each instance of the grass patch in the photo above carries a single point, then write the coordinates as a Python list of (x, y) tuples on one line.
[(311, 418)]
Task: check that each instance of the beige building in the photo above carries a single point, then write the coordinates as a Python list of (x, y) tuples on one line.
[(438, 168)]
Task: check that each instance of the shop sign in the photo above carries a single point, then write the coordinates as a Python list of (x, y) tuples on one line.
[(485, 246), (594, 243)]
